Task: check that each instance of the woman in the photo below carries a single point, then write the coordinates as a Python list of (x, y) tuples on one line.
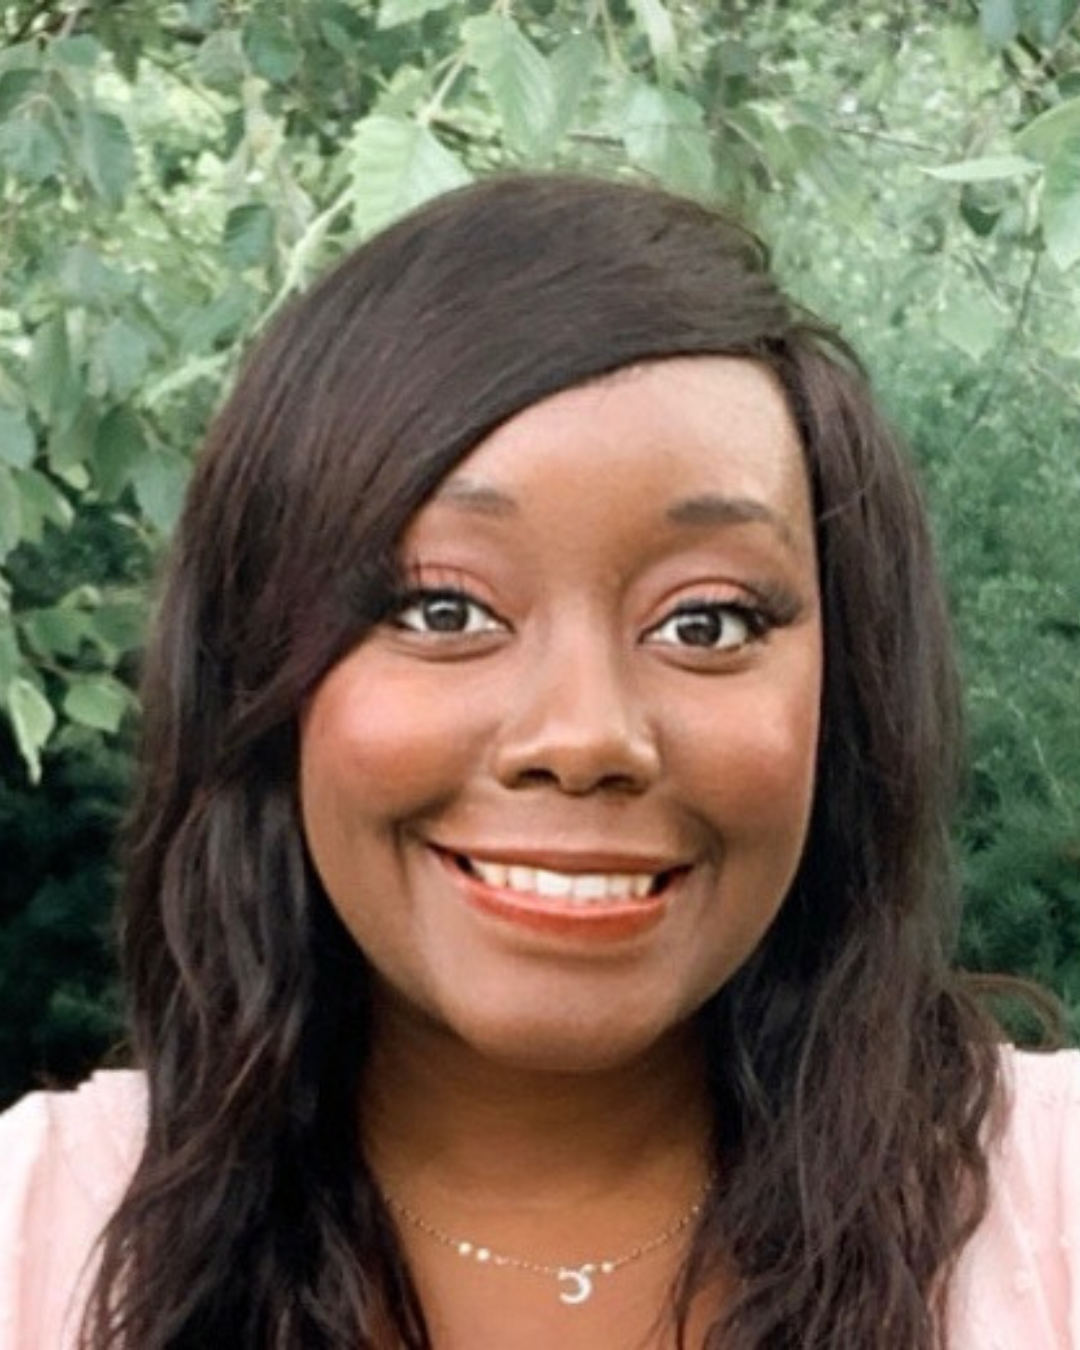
[(537, 905)]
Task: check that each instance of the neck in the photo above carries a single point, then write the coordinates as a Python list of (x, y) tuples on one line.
[(443, 1124)]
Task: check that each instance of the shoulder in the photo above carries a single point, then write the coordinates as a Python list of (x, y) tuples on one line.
[(1040, 1086), (87, 1137), (1041, 1110), (1036, 1163), (1020, 1274), (65, 1161), (109, 1097)]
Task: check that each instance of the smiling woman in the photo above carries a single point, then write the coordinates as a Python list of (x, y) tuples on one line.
[(538, 910), (591, 719)]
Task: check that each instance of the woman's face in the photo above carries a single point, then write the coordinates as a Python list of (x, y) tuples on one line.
[(561, 794)]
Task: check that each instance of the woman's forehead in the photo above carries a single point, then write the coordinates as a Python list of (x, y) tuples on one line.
[(688, 444)]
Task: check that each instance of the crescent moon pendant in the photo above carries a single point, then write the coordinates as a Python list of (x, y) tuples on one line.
[(581, 1289)]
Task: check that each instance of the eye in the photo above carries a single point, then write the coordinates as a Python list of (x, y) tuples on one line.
[(444, 611), (709, 626)]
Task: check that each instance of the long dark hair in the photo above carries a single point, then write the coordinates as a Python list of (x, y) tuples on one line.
[(853, 1078)]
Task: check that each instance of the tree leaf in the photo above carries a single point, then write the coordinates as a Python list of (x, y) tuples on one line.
[(122, 356), (1043, 21), (17, 442), (18, 87), (106, 156), (999, 21), (159, 481), (207, 326), (70, 445), (119, 627), (1060, 205), (271, 48), (201, 13), (32, 720), (1043, 136), (29, 148), (249, 236), (219, 62), (573, 66), (971, 322), (42, 501), (57, 630), (985, 170), (86, 279), (394, 12), (822, 159), (341, 37), (11, 522), (82, 51), (396, 165), (98, 702), (664, 132), (659, 31), (52, 381), (9, 651), (518, 79), (118, 446)]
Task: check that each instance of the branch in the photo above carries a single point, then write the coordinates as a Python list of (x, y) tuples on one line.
[(71, 19), (594, 138), (1044, 63), (176, 71), (431, 110), (1004, 348), (1069, 390), (26, 28), (886, 138)]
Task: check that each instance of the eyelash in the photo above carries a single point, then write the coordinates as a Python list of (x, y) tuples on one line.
[(758, 620), (755, 620), (422, 596)]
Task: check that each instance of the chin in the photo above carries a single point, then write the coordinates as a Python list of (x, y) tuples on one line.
[(567, 1045)]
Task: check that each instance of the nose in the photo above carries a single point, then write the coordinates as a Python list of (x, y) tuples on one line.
[(576, 724)]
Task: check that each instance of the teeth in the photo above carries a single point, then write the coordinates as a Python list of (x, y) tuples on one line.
[(579, 887), (552, 883), (495, 874)]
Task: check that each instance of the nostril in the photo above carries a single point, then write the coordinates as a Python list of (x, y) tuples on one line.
[(537, 776), (579, 780), (576, 741)]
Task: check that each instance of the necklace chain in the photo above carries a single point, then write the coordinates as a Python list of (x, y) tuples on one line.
[(575, 1280)]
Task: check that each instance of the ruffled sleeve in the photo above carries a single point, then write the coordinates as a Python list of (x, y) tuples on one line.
[(1018, 1281), (1069, 1172), (65, 1160), (23, 1131)]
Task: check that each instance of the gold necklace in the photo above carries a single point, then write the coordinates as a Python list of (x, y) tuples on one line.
[(575, 1281)]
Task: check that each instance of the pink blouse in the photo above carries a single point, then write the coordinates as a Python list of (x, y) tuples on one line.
[(65, 1158)]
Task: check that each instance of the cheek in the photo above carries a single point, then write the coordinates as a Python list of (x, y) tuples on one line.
[(376, 746), (752, 766), (752, 756)]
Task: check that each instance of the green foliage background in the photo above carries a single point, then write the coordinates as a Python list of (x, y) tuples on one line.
[(170, 172)]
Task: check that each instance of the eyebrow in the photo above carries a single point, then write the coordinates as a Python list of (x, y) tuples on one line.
[(712, 509), (466, 494), (709, 509)]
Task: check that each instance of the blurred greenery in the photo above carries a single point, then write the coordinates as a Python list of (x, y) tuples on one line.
[(170, 172)]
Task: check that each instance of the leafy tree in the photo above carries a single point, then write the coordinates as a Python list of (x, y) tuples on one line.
[(169, 173)]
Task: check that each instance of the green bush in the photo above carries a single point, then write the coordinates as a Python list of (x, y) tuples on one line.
[(169, 173)]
